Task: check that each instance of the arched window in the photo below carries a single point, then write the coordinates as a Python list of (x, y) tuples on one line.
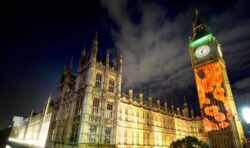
[(107, 137), (92, 134), (111, 85), (95, 106), (98, 82), (109, 110)]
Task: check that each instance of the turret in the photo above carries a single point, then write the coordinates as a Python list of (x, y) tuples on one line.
[(46, 105), (68, 77), (165, 105), (83, 59), (172, 108), (150, 99), (62, 79), (119, 64), (71, 66), (141, 97), (69, 71), (178, 111), (119, 74), (130, 94), (185, 108), (158, 102), (107, 59), (94, 50), (192, 113)]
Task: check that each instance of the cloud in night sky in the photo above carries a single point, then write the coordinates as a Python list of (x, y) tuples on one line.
[(242, 84), (155, 46), (154, 49)]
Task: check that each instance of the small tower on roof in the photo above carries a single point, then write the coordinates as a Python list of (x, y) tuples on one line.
[(107, 59), (141, 95), (94, 49), (119, 63), (165, 105), (172, 107), (130, 94), (185, 108), (71, 66), (150, 98), (63, 74), (83, 58)]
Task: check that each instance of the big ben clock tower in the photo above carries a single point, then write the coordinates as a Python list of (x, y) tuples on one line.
[(220, 117)]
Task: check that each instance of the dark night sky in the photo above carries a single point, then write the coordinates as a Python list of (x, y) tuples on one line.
[(38, 39)]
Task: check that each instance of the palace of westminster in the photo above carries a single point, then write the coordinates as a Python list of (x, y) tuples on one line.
[(92, 111)]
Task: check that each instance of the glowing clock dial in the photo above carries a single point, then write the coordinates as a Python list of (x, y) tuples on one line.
[(202, 51)]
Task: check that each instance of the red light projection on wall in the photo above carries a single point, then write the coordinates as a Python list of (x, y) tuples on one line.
[(212, 96)]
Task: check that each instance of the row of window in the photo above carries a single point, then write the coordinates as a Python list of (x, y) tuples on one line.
[(95, 109), (98, 83), (144, 115), (93, 135)]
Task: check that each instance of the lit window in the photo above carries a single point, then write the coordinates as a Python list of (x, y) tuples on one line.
[(74, 133), (92, 134), (107, 137), (125, 137), (95, 107), (109, 111), (98, 82), (111, 85), (78, 106)]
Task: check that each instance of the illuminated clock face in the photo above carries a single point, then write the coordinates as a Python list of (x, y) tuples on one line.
[(202, 51)]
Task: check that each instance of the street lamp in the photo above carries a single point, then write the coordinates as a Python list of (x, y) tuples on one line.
[(246, 114)]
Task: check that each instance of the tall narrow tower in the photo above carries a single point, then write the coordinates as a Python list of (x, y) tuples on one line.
[(217, 105)]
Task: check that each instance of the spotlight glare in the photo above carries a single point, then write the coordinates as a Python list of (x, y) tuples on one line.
[(246, 114)]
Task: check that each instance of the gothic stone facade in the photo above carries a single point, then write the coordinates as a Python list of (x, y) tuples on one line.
[(33, 131), (91, 110)]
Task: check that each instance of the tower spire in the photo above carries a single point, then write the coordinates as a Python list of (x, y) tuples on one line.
[(119, 63), (198, 20), (83, 58), (197, 12), (172, 106), (199, 27), (107, 58), (141, 95), (63, 74), (71, 63), (184, 102), (185, 108), (94, 49), (165, 104)]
